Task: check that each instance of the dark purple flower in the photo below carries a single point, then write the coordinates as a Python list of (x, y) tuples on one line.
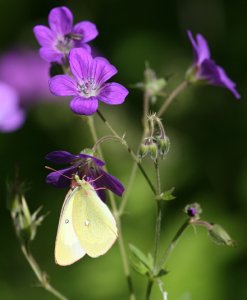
[(193, 210), (11, 115), (62, 36), (87, 85), (204, 68), (85, 166)]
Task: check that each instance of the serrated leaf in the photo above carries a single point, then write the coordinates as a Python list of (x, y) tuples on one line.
[(139, 255), (139, 267)]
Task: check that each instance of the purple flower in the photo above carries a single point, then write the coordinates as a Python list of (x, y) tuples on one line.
[(27, 73), (62, 36), (87, 85), (11, 115), (83, 165), (204, 68)]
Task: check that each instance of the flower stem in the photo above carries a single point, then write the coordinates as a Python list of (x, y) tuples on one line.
[(149, 289), (146, 100), (158, 216), (130, 151), (41, 276), (116, 214), (182, 86), (173, 243)]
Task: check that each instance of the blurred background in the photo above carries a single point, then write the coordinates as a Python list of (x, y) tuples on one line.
[(207, 162)]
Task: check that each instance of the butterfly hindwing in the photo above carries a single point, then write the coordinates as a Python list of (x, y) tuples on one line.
[(68, 248)]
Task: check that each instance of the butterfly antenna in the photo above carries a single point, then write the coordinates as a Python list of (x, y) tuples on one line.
[(54, 170), (92, 180), (101, 188)]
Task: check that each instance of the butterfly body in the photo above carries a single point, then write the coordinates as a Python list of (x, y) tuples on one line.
[(86, 225)]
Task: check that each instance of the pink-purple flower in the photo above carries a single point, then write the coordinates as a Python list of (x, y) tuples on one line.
[(85, 166), (11, 114), (61, 36), (205, 69), (24, 70), (88, 84)]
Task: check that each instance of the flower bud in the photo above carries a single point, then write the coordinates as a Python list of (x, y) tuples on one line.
[(143, 151), (163, 146), (153, 151), (193, 210), (220, 236)]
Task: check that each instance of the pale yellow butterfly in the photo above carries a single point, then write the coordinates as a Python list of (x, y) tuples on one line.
[(86, 225)]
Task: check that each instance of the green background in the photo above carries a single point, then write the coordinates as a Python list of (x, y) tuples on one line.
[(207, 162)]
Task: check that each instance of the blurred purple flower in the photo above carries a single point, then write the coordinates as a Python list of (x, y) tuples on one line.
[(27, 73), (83, 165), (11, 115), (62, 36), (204, 68), (88, 83)]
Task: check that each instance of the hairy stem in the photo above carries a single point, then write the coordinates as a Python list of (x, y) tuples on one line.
[(115, 212), (173, 242), (158, 215), (41, 276), (131, 152), (149, 289), (146, 100), (182, 86)]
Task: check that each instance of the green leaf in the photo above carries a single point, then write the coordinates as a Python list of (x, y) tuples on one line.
[(167, 195), (140, 262)]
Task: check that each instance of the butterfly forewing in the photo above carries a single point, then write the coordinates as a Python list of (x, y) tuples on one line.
[(68, 248), (93, 222)]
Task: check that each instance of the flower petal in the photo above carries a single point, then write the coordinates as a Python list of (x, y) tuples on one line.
[(101, 70), (80, 61), (11, 115), (200, 48), (228, 83), (13, 121), (87, 29), (44, 35), (50, 55), (63, 85), (203, 49), (60, 20), (58, 178), (113, 93), (98, 162), (216, 75), (110, 182), (61, 157), (83, 106)]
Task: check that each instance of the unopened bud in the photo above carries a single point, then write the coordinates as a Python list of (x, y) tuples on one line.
[(220, 236), (143, 151), (163, 146), (153, 151)]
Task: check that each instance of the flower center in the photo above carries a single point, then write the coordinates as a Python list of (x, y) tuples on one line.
[(64, 44), (87, 88)]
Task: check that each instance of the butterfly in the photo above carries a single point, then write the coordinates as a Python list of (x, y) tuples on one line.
[(86, 225)]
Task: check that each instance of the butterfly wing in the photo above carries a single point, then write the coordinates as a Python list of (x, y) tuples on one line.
[(68, 248), (93, 222)]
